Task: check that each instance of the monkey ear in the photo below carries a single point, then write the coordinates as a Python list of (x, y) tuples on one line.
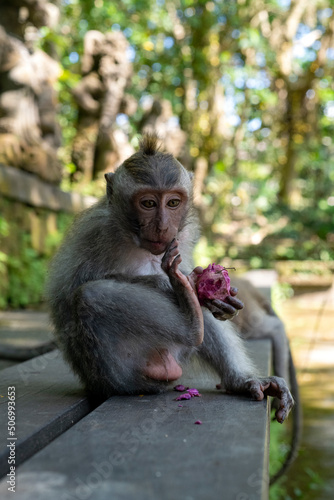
[(109, 177), (191, 175)]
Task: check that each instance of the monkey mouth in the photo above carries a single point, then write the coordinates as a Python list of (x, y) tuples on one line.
[(156, 247)]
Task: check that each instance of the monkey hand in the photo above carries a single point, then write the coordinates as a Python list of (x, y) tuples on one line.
[(170, 264), (184, 288), (272, 386), (227, 309)]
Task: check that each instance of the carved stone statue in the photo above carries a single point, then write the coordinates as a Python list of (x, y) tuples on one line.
[(29, 133), (159, 118), (100, 144)]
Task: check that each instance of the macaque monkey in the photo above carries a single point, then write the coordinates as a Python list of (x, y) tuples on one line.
[(122, 291)]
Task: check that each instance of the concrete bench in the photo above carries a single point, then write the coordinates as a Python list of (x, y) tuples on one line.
[(138, 447)]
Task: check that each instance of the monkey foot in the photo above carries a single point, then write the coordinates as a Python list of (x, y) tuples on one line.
[(161, 365)]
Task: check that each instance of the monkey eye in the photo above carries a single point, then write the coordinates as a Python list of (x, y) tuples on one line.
[(148, 203), (174, 203)]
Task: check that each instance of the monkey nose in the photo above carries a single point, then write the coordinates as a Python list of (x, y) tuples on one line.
[(162, 229)]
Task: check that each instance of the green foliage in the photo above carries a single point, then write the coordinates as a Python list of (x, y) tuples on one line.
[(26, 276), (24, 270), (279, 293), (265, 132), (279, 447), (310, 484), (3, 277), (4, 231)]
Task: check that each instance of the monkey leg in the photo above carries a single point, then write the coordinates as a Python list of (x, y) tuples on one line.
[(224, 350), (129, 338), (265, 326)]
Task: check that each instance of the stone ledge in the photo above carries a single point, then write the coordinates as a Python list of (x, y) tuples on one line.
[(27, 188), (149, 444)]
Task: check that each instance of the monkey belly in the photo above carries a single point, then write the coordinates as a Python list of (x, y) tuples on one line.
[(161, 365)]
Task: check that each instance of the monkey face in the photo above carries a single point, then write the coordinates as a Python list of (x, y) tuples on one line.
[(160, 215)]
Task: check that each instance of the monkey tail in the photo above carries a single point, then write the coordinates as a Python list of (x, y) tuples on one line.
[(297, 424)]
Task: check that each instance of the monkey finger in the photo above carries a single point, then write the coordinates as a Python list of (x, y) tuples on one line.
[(173, 248), (233, 291), (174, 268), (177, 261), (166, 264), (198, 270), (224, 307), (236, 303), (192, 277), (168, 258), (172, 255), (223, 312)]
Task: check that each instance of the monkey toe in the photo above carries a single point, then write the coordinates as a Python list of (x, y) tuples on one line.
[(254, 388), (281, 414)]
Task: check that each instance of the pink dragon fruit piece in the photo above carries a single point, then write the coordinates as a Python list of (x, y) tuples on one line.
[(193, 393), (183, 396), (180, 388), (213, 283)]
